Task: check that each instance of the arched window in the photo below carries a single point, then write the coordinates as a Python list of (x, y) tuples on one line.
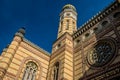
[(116, 15), (95, 29), (77, 41), (73, 26), (61, 26), (67, 25), (56, 71), (30, 71), (104, 23)]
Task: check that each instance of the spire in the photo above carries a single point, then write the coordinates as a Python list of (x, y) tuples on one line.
[(68, 20)]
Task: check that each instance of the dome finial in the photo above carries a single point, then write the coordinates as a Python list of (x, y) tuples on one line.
[(22, 30)]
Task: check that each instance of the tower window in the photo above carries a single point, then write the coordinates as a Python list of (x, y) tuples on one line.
[(67, 24), (73, 25), (56, 71), (30, 71), (62, 17), (59, 45), (61, 25), (68, 14), (77, 41)]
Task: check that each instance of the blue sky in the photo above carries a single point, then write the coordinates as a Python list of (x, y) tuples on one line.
[(41, 18)]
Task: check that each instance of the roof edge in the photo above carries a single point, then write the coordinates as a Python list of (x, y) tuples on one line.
[(96, 18), (36, 46)]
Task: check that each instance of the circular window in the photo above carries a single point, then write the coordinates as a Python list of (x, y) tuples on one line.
[(101, 53)]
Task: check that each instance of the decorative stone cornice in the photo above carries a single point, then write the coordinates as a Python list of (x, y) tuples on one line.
[(95, 19), (65, 35), (36, 47), (68, 11)]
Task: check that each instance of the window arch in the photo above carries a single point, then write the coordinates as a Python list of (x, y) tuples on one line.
[(95, 29), (30, 71), (67, 25), (77, 41), (104, 23), (73, 23), (61, 26), (116, 15), (87, 35), (56, 71)]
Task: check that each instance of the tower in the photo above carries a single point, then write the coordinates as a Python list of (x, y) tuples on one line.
[(68, 18), (90, 53), (61, 61)]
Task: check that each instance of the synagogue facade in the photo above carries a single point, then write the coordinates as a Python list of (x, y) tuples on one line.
[(91, 52)]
